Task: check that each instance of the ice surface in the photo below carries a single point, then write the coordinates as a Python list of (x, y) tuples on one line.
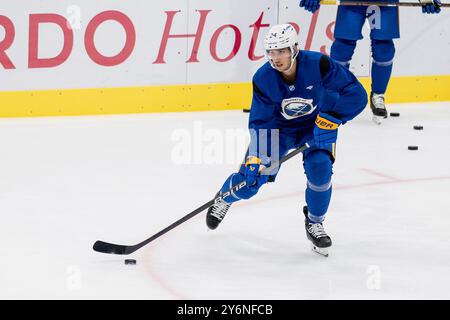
[(66, 182)]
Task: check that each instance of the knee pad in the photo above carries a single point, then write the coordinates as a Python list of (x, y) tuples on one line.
[(383, 52), (244, 193), (318, 169), (342, 51)]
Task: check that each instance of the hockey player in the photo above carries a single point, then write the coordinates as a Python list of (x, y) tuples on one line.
[(384, 28), (301, 96)]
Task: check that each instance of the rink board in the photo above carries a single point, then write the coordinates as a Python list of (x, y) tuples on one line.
[(57, 58)]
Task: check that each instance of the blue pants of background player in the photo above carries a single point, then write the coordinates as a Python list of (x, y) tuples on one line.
[(384, 23), (318, 166)]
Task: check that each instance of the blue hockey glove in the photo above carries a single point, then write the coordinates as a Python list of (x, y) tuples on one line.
[(310, 5), (431, 6), (326, 130), (252, 175)]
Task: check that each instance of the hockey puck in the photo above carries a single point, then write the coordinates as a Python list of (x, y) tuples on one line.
[(394, 114), (246, 110), (130, 261), (413, 148), (418, 127)]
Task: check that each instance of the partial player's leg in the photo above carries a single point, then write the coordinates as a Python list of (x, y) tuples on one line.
[(280, 146), (383, 52), (349, 22), (217, 211), (342, 51), (318, 167)]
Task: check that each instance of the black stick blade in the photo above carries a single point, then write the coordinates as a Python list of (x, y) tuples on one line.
[(105, 247)]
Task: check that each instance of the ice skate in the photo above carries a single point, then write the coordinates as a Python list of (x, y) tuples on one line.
[(216, 213), (378, 107), (320, 241)]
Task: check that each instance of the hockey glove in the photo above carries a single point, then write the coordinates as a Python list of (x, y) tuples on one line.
[(431, 6), (325, 131), (252, 175), (310, 5)]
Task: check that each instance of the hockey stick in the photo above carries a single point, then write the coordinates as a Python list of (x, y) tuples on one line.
[(105, 247), (381, 4)]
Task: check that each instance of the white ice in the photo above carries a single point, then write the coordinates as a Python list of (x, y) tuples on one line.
[(66, 182)]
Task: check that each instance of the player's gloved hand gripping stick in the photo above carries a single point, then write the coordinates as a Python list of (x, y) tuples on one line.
[(105, 247), (253, 176), (325, 132)]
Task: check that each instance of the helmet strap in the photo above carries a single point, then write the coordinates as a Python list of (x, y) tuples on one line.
[(293, 57)]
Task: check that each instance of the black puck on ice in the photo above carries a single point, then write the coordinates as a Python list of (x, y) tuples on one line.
[(130, 261), (394, 114), (418, 127), (413, 148), (246, 110)]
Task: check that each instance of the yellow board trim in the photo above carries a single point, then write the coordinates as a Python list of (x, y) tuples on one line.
[(181, 98), (415, 89)]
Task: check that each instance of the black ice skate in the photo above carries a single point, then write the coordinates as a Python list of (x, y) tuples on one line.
[(320, 241), (216, 213), (378, 108)]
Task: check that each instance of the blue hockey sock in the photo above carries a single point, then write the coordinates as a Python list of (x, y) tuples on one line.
[(383, 52), (318, 168), (381, 74)]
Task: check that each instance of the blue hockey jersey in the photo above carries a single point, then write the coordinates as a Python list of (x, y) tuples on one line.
[(321, 85)]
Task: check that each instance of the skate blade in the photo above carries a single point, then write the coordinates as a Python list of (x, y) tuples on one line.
[(321, 251), (377, 120)]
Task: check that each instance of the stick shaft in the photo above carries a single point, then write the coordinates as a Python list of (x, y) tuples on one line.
[(378, 3)]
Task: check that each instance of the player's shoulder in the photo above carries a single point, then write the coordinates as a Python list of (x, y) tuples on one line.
[(316, 60), (308, 56), (264, 73)]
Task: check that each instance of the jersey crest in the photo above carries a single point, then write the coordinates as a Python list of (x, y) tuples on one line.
[(293, 108)]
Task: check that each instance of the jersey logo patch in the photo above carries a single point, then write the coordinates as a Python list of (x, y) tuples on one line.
[(297, 107)]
